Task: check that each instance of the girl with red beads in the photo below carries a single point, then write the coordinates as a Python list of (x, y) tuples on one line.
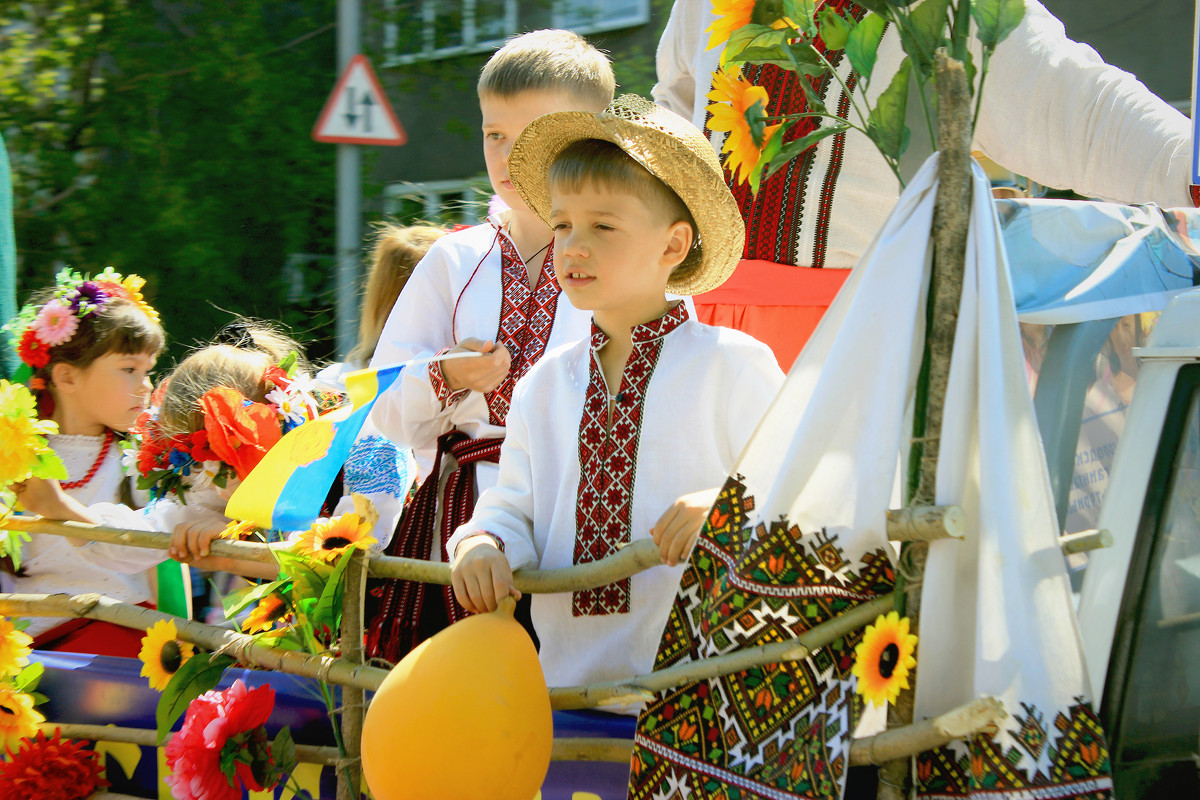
[(87, 347)]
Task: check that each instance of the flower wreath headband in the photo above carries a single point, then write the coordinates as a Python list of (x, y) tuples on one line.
[(237, 432), (41, 326)]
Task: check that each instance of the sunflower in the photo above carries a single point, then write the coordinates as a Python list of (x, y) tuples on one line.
[(883, 659), (23, 447), (731, 15), (240, 531), (264, 615), (328, 540), (18, 719), (733, 96), (163, 653), (15, 647)]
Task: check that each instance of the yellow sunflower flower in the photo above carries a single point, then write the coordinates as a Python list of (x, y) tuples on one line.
[(22, 435), (731, 15), (18, 718), (163, 653), (883, 659), (328, 540), (15, 647), (133, 284), (264, 615), (239, 531), (733, 95)]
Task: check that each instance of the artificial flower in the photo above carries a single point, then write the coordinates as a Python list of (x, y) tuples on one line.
[(239, 432), (24, 451), (47, 767), (15, 647), (293, 407), (56, 323), (18, 718), (228, 724), (163, 653), (133, 285), (883, 659), (733, 96), (265, 614), (239, 531), (328, 540), (85, 298), (32, 350), (731, 15)]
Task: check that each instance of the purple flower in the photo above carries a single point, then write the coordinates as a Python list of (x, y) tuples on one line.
[(85, 297)]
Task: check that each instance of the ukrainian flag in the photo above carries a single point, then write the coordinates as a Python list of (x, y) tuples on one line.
[(285, 491)]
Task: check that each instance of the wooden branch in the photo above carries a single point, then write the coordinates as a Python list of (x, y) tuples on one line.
[(350, 778), (1085, 541), (242, 647), (643, 687), (617, 751), (308, 753), (984, 714), (635, 558), (926, 523)]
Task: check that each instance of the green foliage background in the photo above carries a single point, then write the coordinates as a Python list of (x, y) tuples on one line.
[(172, 140)]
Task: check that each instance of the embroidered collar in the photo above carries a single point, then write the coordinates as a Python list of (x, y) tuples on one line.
[(647, 331)]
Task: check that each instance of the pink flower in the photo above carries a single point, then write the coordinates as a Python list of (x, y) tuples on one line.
[(55, 323), (215, 722)]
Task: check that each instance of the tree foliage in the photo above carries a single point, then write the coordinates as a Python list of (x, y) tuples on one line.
[(173, 140)]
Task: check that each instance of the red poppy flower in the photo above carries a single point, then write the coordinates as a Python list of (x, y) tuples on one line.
[(217, 722), (277, 376), (32, 351), (200, 449), (240, 434), (51, 767), (114, 289)]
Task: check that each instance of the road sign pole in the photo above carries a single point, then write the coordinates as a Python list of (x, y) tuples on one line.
[(349, 195)]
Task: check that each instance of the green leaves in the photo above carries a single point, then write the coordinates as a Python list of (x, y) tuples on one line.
[(996, 19), (198, 674), (923, 30), (862, 45), (761, 44), (886, 125), (802, 12), (835, 28), (787, 152), (236, 601)]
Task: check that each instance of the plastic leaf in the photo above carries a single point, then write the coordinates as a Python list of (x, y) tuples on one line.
[(757, 43), (862, 45), (802, 12), (198, 674), (996, 19), (835, 28), (236, 601), (787, 152), (886, 126)]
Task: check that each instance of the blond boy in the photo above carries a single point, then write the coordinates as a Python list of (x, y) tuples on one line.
[(490, 289), (619, 437)]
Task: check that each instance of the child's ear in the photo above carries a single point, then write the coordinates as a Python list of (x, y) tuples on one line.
[(679, 243), (64, 377)]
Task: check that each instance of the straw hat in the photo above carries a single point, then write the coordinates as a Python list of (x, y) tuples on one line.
[(667, 145)]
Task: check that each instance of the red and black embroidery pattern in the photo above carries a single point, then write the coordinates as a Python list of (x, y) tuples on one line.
[(608, 450), (526, 318), (774, 216)]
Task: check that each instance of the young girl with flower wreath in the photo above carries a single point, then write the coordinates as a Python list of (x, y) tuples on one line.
[(212, 421), (87, 346)]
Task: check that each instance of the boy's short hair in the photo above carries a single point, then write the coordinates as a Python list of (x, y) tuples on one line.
[(605, 165), (549, 60)]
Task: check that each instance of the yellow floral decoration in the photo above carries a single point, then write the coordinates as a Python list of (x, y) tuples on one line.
[(162, 653), (883, 659)]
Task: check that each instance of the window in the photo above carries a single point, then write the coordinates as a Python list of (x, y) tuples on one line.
[(427, 29), (438, 202), (1152, 700)]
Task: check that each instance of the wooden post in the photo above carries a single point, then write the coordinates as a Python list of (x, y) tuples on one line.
[(349, 783), (951, 220)]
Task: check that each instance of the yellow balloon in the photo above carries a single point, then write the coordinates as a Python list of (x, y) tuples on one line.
[(464, 716)]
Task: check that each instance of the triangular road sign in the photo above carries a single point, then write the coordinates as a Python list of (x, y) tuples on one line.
[(357, 111)]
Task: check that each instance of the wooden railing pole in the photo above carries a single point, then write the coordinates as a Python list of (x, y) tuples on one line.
[(951, 221)]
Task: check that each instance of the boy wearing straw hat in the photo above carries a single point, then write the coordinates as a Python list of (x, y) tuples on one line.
[(619, 437)]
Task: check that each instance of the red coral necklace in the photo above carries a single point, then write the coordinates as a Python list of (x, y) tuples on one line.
[(91, 473)]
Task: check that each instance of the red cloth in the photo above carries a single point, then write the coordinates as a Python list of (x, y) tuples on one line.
[(778, 304), (93, 637)]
